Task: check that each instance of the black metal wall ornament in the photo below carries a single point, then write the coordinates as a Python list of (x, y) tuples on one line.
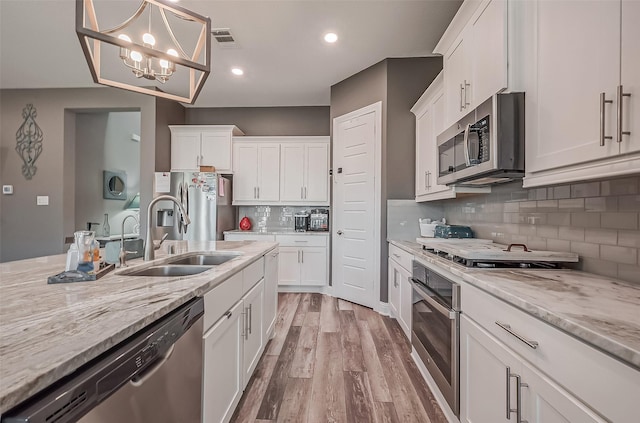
[(29, 141)]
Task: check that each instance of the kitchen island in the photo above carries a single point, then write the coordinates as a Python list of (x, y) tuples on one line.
[(48, 331)]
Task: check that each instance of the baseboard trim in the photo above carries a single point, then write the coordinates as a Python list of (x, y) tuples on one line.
[(451, 417), (306, 289), (383, 308)]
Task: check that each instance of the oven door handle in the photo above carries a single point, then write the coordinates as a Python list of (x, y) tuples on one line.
[(450, 314)]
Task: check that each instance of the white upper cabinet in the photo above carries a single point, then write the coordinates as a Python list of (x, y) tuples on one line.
[(584, 60), (193, 146), (290, 171), (474, 49), (256, 177), (304, 175), (429, 111)]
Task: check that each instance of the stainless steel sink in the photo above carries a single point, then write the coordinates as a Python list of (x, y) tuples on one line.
[(209, 259), (169, 270)]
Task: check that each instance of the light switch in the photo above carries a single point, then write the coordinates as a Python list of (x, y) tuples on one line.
[(42, 200), (7, 189)]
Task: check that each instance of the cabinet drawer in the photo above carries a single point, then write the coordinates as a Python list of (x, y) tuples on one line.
[(252, 274), (221, 298), (302, 240), (588, 373), (249, 237), (401, 257)]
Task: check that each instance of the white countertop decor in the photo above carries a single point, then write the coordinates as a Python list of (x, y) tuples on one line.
[(48, 331)]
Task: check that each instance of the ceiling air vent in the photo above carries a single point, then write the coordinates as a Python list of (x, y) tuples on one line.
[(224, 37)]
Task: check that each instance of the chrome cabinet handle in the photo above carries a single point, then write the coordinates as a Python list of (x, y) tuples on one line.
[(302, 255), (250, 317), (305, 193), (426, 184), (507, 327), (301, 193), (509, 409), (258, 188), (244, 323), (467, 85), (519, 386), (603, 102), (461, 94), (621, 95), (429, 179)]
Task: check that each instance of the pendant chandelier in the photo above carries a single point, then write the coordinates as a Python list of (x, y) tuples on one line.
[(161, 49)]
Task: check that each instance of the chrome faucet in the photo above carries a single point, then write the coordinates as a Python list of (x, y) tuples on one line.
[(149, 250), (122, 257)]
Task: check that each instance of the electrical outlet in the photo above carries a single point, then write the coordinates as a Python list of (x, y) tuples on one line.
[(42, 200), (7, 189)]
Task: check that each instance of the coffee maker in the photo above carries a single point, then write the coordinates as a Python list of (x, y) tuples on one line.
[(301, 220)]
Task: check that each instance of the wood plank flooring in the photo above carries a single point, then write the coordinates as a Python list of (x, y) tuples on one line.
[(334, 361)]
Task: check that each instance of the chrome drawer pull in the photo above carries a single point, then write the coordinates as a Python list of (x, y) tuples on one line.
[(507, 327), (621, 95), (603, 137)]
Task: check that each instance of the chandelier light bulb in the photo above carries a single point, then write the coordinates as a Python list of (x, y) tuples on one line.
[(136, 56), (149, 39), (331, 37), (172, 52), (164, 64), (124, 37)]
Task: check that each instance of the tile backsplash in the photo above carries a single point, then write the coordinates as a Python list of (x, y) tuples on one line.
[(600, 221), (271, 218)]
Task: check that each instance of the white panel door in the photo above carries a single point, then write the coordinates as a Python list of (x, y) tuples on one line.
[(543, 401), (269, 172), (313, 266), (222, 373), (578, 58), (215, 150), (245, 165), (292, 157), (354, 203), (289, 266), (316, 186), (185, 150), (253, 303), (631, 75)]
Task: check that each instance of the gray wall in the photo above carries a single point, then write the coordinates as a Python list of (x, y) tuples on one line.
[(265, 121), (600, 221), (398, 83), (28, 230), (167, 113), (103, 142)]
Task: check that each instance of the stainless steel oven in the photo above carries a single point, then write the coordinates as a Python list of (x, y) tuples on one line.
[(435, 329)]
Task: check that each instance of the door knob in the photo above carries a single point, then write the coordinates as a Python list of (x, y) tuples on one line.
[(340, 232)]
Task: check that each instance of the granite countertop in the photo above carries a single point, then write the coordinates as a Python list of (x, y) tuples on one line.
[(48, 331), (277, 232), (600, 311)]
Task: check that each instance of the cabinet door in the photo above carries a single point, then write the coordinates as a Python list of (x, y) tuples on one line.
[(254, 340), (630, 75), (292, 158), (543, 401), (313, 266), (222, 373), (215, 150), (489, 52), (289, 266), (393, 290), (269, 172), (406, 303), (425, 150), (485, 366), (270, 292), (578, 56), (245, 165), (437, 112), (185, 150), (316, 186), (457, 81)]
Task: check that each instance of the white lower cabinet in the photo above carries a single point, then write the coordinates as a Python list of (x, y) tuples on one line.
[(234, 344), (303, 260), (222, 378), (400, 292), (253, 303), (498, 386)]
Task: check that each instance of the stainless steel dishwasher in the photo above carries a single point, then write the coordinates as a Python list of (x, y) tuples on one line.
[(153, 376)]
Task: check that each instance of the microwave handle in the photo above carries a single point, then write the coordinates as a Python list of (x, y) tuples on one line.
[(467, 159)]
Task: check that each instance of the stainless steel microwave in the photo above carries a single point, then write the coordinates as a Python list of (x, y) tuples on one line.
[(486, 146)]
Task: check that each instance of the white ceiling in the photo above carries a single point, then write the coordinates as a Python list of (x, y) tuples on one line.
[(279, 45)]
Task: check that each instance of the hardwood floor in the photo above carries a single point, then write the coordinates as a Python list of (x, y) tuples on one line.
[(334, 361)]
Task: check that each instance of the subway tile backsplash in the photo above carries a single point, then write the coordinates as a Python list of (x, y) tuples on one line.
[(272, 218), (600, 221)]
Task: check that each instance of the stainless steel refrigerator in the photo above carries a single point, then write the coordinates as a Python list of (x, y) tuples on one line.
[(206, 196)]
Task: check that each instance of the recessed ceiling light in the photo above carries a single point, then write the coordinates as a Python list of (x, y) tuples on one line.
[(330, 37), (237, 71)]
